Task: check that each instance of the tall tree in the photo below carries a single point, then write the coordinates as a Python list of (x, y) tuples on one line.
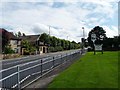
[(100, 35), (28, 47), (44, 38), (19, 34), (54, 41), (23, 34)]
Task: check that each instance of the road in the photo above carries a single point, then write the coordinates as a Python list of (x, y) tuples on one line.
[(30, 66), (13, 62)]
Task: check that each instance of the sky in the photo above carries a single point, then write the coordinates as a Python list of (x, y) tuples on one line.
[(64, 18)]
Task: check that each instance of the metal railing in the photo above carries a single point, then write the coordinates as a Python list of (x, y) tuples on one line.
[(22, 75)]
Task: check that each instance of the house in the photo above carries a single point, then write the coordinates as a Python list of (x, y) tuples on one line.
[(15, 44), (10, 40), (35, 41)]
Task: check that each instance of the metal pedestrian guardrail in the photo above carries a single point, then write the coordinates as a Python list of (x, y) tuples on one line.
[(21, 75)]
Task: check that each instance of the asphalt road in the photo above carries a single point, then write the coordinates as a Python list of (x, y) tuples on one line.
[(13, 62), (30, 66)]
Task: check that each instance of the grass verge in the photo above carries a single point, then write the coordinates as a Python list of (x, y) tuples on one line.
[(91, 71)]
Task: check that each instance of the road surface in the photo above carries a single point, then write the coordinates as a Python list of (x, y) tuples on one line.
[(30, 67)]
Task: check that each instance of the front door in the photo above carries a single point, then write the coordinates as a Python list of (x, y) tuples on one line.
[(43, 49)]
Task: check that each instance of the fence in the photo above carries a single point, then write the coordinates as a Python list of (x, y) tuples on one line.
[(22, 75)]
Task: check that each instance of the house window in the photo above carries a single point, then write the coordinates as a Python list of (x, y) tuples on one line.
[(16, 50), (15, 42)]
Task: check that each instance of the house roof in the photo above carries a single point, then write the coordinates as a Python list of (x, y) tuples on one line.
[(30, 38), (8, 35)]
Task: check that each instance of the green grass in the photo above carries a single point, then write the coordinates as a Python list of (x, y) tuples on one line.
[(91, 71)]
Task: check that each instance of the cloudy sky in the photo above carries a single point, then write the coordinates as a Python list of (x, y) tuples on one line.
[(64, 17)]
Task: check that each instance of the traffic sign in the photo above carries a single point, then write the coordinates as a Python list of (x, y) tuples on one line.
[(93, 37)]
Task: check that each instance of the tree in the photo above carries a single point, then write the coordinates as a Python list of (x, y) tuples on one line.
[(56, 44), (28, 47), (100, 35), (23, 34), (19, 34), (45, 38), (63, 43), (54, 41), (66, 45), (16, 34)]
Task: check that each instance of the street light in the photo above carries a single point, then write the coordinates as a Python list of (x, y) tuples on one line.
[(67, 37), (83, 32), (49, 30), (83, 38)]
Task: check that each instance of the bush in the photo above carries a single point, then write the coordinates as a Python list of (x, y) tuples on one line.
[(51, 49), (8, 50), (55, 49), (58, 48)]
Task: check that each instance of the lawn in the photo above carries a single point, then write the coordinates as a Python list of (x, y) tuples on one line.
[(91, 71)]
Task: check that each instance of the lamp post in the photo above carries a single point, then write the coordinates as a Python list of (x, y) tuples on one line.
[(83, 38), (67, 37), (49, 30)]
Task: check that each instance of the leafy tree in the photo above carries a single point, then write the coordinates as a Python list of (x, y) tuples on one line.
[(23, 34), (16, 34), (53, 41), (19, 34), (56, 44), (28, 47), (100, 35), (45, 38), (63, 43), (66, 45)]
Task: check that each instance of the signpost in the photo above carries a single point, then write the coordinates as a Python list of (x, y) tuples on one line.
[(97, 47), (93, 37)]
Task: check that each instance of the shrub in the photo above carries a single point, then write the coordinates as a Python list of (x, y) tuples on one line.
[(8, 50)]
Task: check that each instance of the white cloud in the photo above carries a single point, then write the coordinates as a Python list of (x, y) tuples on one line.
[(111, 32), (71, 17), (23, 29)]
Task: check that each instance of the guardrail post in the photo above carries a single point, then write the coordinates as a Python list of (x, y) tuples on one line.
[(41, 67), (61, 59), (53, 61), (70, 56), (73, 54), (18, 69), (66, 57)]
